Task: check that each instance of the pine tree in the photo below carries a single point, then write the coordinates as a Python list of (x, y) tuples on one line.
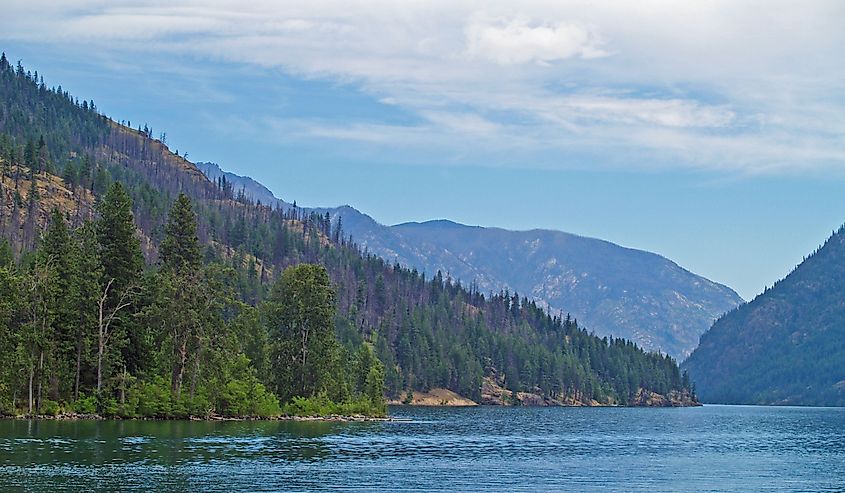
[(122, 261), (181, 296), (10, 308), (87, 260), (63, 299), (180, 250), (120, 248), (301, 321)]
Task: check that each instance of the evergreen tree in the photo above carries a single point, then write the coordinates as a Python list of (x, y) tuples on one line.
[(89, 286), (63, 299), (180, 249), (10, 306), (301, 320), (6, 255), (180, 298), (120, 248), (122, 261)]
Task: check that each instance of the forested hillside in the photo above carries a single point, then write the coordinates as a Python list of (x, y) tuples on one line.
[(426, 332), (614, 290), (785, 347)]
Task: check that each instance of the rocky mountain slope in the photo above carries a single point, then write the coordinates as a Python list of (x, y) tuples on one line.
[(787, 346)]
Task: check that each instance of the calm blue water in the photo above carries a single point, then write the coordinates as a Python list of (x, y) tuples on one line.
[(714, 448)]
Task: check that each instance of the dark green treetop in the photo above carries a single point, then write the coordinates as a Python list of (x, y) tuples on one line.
[(120, 248), (180, 249)]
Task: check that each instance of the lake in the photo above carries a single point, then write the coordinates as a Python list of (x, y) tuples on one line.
[(711, 448)]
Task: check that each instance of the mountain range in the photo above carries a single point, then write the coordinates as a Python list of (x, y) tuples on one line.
[(787, 346), (611, 289)]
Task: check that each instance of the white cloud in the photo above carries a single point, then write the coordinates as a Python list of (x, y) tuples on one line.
[(517, 41), (660, 112), (751, 85)]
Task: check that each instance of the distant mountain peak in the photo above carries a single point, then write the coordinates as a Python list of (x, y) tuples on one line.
[(251, 188), (436, 223)]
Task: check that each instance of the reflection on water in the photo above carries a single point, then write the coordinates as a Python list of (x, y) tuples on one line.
[(715, 448)]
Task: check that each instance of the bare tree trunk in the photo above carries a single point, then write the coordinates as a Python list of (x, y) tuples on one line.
[(179, 368), (304, 359), (40, 380), (195, 375), (104, 325), (31, 378), (123, 387), (101, 339), (78, 366), (100, 366)]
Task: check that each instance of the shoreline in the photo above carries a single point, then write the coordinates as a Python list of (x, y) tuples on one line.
[(96, 417), (334, 418)]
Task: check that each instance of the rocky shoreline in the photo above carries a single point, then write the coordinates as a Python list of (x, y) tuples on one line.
[(493, 393)]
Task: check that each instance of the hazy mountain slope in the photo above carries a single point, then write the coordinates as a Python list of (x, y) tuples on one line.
[(787, 346), (612, 290), (250, 188)]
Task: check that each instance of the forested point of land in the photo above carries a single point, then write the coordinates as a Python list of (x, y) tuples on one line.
[(134, 286)]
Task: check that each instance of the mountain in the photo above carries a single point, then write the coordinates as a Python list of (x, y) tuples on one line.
[(241, 184), (787, 346), (58, 152), (611, 289)]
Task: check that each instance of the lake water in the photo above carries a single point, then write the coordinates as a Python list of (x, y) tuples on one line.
[(713, 448)]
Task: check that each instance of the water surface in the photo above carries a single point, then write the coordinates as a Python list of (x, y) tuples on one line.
[(714, 448)]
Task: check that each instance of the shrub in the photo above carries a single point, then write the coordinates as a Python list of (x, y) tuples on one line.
[(234, 399), (154, 398), (320, 405), (265, 403), (85, 405), (50, 408), (107, 406)]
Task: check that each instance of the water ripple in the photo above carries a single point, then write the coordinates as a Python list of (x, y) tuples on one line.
[(715, 448)]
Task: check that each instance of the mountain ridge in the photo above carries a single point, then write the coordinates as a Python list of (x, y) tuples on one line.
[(787, 345), (669, 316)]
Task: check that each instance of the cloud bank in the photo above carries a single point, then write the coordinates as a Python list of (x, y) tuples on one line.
[(746, 87)]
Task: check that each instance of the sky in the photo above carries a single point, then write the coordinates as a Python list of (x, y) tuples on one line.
[(710, 132)]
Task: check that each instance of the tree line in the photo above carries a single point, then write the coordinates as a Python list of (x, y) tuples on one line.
[(85, 326)]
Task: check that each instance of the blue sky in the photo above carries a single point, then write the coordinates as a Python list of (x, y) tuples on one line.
[(709, 132)]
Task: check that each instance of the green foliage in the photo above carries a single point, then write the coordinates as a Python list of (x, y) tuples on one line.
[(6, 255), (50, 408), (122, 263), (108, 406), (120, 248), (154, 398), (180, 250), (321, 405), (300, 314), (250, 398), (85, 405)]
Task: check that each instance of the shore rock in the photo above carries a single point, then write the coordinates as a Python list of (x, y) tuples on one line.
[(646, 398), (435, 397)]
